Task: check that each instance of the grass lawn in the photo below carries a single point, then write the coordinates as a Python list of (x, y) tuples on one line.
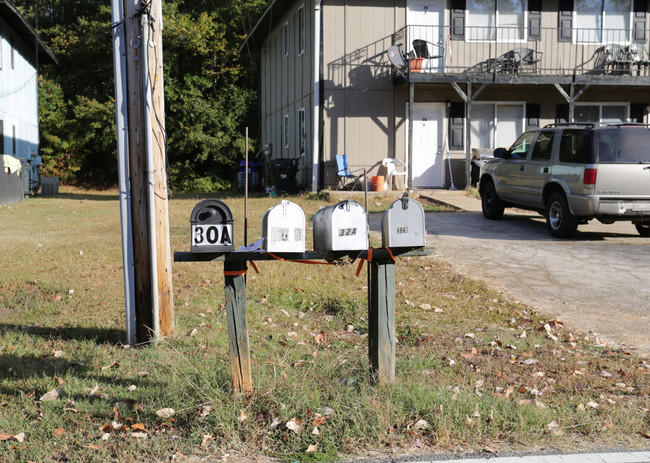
[(475, 372)]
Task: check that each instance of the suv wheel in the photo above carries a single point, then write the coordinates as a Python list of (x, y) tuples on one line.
[(559, 220), (490, 203), (643, 229)]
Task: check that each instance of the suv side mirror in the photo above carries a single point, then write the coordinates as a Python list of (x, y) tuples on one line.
[(500, 153)]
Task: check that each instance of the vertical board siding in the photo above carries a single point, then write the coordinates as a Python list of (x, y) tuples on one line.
[(18, 95)]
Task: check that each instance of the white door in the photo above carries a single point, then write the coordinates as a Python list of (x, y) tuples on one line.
[(425, 29), (428, 170)]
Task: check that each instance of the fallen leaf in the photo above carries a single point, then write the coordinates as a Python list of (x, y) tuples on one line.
[(91, 447), (194, 332), (315, 431), (4, 436), (207, 438), (59, 381), (58, 432), (318, 420), (205, 411), (112, 365), (420, 425), (295, 425), (132, 387), (312, 448), (58, 354), (20, 437), (138, 426), (581, 407), (491, 449), (242, 416), (139, 435), (592, 404), (106, 428), (166, 412), (425, 306), (52, 395)]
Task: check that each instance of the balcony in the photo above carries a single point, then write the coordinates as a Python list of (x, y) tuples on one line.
[(509, 55)]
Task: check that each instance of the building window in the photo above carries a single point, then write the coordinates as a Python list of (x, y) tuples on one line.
[(602, 21), (301, 30), (285, 39), (496, 125), (501, 20), (285, 130), (600, 113), (302, 131)]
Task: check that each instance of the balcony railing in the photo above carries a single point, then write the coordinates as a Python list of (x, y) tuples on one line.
[(506, 53)]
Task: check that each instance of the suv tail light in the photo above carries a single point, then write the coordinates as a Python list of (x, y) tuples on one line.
[(590, 176)]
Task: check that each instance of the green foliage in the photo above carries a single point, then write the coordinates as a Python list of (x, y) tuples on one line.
[(209, 90)]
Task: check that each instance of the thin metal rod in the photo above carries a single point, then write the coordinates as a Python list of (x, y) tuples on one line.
[(246, 190)]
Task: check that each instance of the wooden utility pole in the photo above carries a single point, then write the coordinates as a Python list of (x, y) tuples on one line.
[(140, 114)]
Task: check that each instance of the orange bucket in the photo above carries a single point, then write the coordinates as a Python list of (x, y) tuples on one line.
[(377, 182)]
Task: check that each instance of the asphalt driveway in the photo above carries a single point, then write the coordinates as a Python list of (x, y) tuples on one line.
[(597, 282)]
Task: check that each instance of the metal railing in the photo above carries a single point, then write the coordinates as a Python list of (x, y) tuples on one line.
[(515, 51)]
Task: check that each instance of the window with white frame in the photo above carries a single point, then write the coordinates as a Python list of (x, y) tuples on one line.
[(301, 30), (285, 130), (285, 40), (496, 125), (302, 131), (595, 112), (602, 21), (501, 20)]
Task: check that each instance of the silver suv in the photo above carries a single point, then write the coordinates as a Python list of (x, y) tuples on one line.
[(572, 173)]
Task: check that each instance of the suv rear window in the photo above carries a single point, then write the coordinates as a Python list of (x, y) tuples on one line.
[(574, 146), (623, 145)]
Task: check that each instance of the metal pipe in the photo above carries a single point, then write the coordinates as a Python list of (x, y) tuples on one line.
[(121, 119), (151, 192), (246, 190), (316, 115)]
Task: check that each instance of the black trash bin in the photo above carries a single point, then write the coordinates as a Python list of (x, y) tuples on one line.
[(283, 173)]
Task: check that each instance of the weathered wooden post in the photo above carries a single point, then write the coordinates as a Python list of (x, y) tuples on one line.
[(240, 354), (381, 321)]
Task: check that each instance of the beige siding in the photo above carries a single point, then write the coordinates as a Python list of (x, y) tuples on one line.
[(359, 110)]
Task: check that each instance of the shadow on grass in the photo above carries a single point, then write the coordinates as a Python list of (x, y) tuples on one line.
[(66, 333), (84, 197), (21, 368)]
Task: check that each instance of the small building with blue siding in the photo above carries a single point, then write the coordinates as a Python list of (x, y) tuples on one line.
[(21, 51)]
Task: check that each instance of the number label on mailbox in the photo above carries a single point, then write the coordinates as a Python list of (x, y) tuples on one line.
[(402, 230), (212, 234), (347, 231)]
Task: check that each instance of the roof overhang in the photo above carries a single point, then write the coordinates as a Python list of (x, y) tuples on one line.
[(271, 15), (10, 14)]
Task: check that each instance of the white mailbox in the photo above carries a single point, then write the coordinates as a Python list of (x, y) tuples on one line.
[(283, 228), (403, 224), (341, 227)]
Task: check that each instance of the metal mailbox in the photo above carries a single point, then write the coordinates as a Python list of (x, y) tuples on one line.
[(283, 228), (212, 227), (402, 225), (341, 227)]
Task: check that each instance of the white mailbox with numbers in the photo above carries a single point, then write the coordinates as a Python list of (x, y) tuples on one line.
[(212, 227), (403, 224), (341, 227), (283, 228)]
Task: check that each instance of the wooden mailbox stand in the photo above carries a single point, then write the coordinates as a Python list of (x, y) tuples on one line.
[(381, 305)]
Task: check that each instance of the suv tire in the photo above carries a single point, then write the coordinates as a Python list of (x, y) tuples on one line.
[(490, 203), (559, 220), (643, 229)]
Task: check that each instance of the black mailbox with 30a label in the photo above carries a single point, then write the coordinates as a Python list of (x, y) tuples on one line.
[(212, 227)]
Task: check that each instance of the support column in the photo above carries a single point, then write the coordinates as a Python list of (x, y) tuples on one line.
[(381, 322), (240, 353)]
